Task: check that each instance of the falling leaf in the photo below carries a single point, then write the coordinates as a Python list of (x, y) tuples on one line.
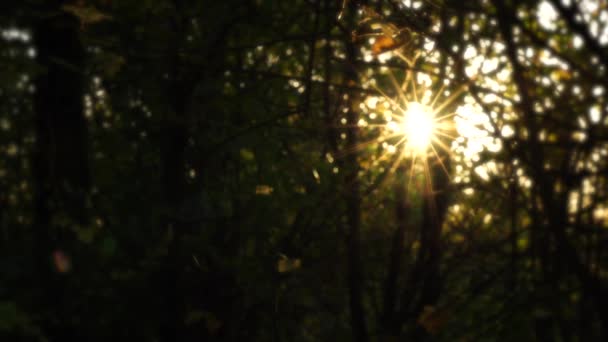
[(342, 9), (315, 174), (432, 319), (86, 14), (108, 246), (112, 64), (264, 190), (286, 264), (61, 261), (247, 154), (194, 317), (212, 323)]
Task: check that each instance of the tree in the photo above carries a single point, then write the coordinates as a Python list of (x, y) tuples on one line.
[(302, 171), (60, 164)]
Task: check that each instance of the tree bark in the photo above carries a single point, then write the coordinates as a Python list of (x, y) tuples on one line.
[(60, 161), (391, 325), (353, 196)]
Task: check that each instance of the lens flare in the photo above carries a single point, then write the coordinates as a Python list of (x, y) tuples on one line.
[(415, 125), (418, 127), (410, 121)]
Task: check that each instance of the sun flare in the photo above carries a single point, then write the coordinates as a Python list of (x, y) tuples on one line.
[(418, 127), (411, 120), (416, 124)]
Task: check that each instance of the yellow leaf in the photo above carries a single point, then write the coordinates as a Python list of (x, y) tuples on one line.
[(263, 189), (285, 264), (247, 154)]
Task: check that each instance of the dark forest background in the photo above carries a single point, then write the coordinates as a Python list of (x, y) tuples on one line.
[(196, 170)]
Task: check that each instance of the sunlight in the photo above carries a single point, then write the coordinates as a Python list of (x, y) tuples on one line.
[(420, 123), (416, 123), (418, 126)]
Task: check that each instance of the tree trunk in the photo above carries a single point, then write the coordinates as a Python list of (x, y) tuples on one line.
[(353, 196), (390, 323), (60, 160)]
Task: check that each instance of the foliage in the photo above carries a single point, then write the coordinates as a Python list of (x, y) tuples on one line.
[(225, 170)]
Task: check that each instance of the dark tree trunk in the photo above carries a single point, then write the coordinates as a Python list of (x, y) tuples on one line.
[(60, 161), (353, 196), (173, 180), (435, 208), (390, 323)]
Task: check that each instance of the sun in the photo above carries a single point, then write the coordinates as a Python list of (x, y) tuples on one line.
[(418, 126), (411, 121)]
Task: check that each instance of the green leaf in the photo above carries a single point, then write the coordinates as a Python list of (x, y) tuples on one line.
[(108, 246), (247, 154)]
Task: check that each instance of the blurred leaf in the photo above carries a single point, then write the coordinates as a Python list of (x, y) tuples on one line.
[(194, 317), (113, 63), (86, 14), (62, 261), (285, 264), (383, 43), (432, 319), (247, 154), (108, 246), (211, 322)]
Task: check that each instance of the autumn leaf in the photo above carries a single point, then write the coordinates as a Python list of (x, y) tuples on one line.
[(61, 261), (263, 189), (86, 14), (212, 323), (382, 44), (285, 264), (432, 319)]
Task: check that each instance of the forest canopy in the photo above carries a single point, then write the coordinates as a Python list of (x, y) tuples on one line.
[(304, 170)]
